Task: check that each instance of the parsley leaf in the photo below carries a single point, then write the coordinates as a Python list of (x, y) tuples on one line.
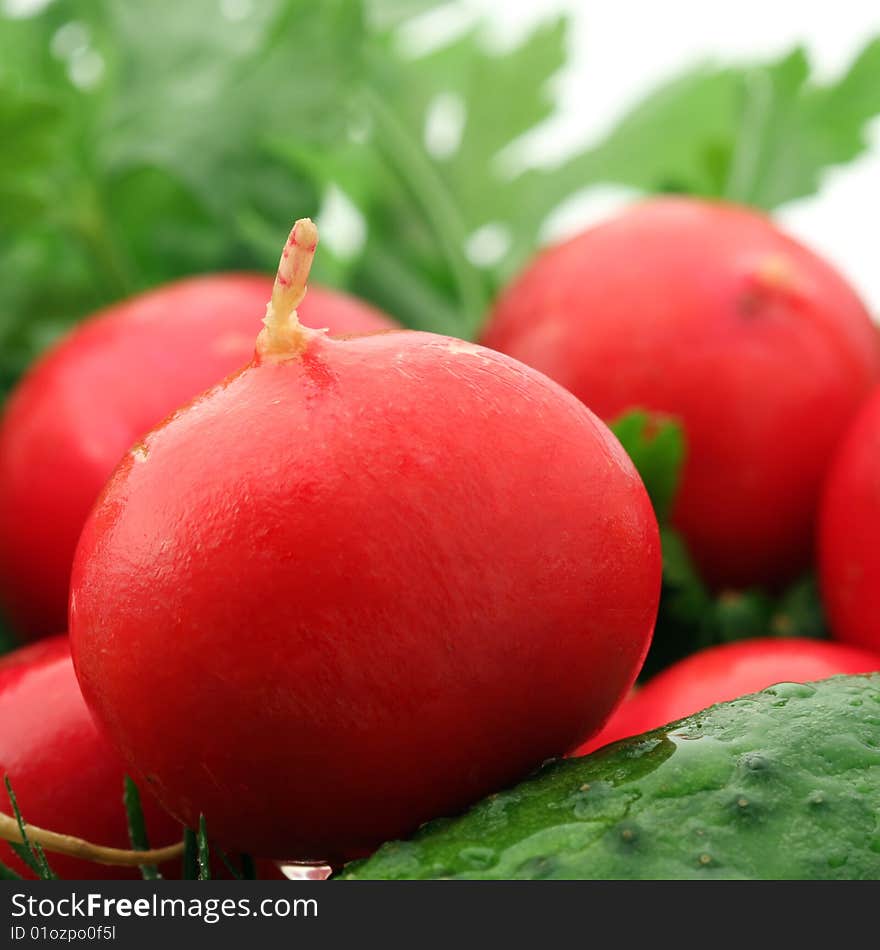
[(137, 827), (656, 445), (445, 226), (761, 134), (140, 154)]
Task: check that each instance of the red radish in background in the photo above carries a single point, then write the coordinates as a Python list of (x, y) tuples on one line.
[(849, 534), (707, 312), (360, 584), (725, 672), (65, 776), (107, 383)]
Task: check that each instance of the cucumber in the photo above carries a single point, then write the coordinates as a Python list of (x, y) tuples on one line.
[(781, 784)]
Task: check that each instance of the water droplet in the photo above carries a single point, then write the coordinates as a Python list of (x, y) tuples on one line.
[(755, 763), (745, 806), (538, 867), (476, 858), (687, 736), (791, 690)]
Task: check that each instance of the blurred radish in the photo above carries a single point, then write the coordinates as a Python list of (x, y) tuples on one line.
[(724, 672), (849, 528), (95, 393), (709, 313), (65, 776)]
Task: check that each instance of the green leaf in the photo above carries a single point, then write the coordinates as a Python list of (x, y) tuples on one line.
[(190, 870), (426, 197), (137, 828), (759, 788), (387, 14), (676, 139), (761, 134), (656, 445), (793, 129), (233, 870), (798, 612), (29, 851), (204, 855), (157, 165)]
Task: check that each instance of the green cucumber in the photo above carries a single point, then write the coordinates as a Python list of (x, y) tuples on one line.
[(781, 784)]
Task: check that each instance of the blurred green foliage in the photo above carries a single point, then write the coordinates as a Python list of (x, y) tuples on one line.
[(147, 141), (140, 136)]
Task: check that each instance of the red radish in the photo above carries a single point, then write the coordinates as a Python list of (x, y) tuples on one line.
[(360, 584), (106, 384), (849, 528), (707, 312), (721, 673), (65, 776)]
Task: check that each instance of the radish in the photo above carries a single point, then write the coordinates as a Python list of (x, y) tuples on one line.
[(65, 776), (725, 672), (706, 312), (106, 384), (849, 526), (360, 584)]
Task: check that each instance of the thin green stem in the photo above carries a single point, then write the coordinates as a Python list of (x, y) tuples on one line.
[(428, 188), (137, 827), (190, 856), (405, 292), (204, 855), (744, 165), (85, 216), (30, 852)]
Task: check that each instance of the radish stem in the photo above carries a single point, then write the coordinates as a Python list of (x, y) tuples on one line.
[(283, 335), (85, 850)]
